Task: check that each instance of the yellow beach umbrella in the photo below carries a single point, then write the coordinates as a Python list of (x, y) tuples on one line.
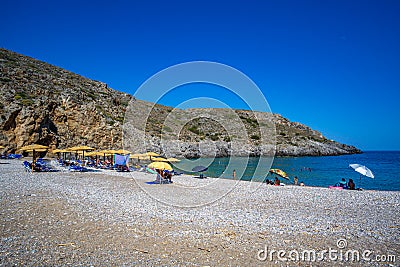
[(280, 173), (140, 156), (159, 159), (109, 151), (91, 154), (152, 154), (1, 147), (34, 148), (173, 160), (159, 165), (123, 152), (81, 148)]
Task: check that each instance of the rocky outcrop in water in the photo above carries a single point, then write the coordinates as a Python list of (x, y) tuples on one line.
[(44, 104)]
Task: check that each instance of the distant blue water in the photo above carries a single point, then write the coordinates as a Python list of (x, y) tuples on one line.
[(325, 171)]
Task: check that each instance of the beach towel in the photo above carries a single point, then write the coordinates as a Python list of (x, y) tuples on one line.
[(151, 171), (121, 160)]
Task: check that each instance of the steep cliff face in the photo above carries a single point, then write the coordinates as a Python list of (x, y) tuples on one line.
[(44, 104)]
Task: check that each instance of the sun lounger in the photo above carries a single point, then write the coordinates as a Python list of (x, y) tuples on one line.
[(77, 168), (122, 168), (161, 180), (14, 156), (27, 166), (44, 167)]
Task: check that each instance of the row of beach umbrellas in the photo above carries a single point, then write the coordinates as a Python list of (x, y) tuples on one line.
[(82, 149), (156, 158)]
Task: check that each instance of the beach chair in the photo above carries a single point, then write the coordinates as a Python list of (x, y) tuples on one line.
[(27, 166), (161, 180), (122, 168), (61, 163), (77, 168), (91, 163), (44, 167)]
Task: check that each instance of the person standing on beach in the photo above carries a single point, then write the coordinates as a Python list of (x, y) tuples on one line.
[(234, 174), (296, 180)]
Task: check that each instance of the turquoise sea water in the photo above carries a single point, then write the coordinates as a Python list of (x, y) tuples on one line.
[(325, 171)]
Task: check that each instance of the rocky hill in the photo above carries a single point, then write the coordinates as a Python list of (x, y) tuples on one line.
[(44, 104)]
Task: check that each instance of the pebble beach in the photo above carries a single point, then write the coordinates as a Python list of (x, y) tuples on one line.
[(104, 218)]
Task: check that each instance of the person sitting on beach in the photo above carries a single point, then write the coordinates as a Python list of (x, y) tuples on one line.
[(277, 182), (168, 176), (351, 184), (267, 182), (302, 184), (343, 183)]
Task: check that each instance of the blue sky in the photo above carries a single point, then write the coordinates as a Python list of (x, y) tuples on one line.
[(333, 65)]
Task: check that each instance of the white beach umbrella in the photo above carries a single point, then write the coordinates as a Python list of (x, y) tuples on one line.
[(362, 170)]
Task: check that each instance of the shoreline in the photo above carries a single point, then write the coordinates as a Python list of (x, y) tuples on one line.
[(190, 176)]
